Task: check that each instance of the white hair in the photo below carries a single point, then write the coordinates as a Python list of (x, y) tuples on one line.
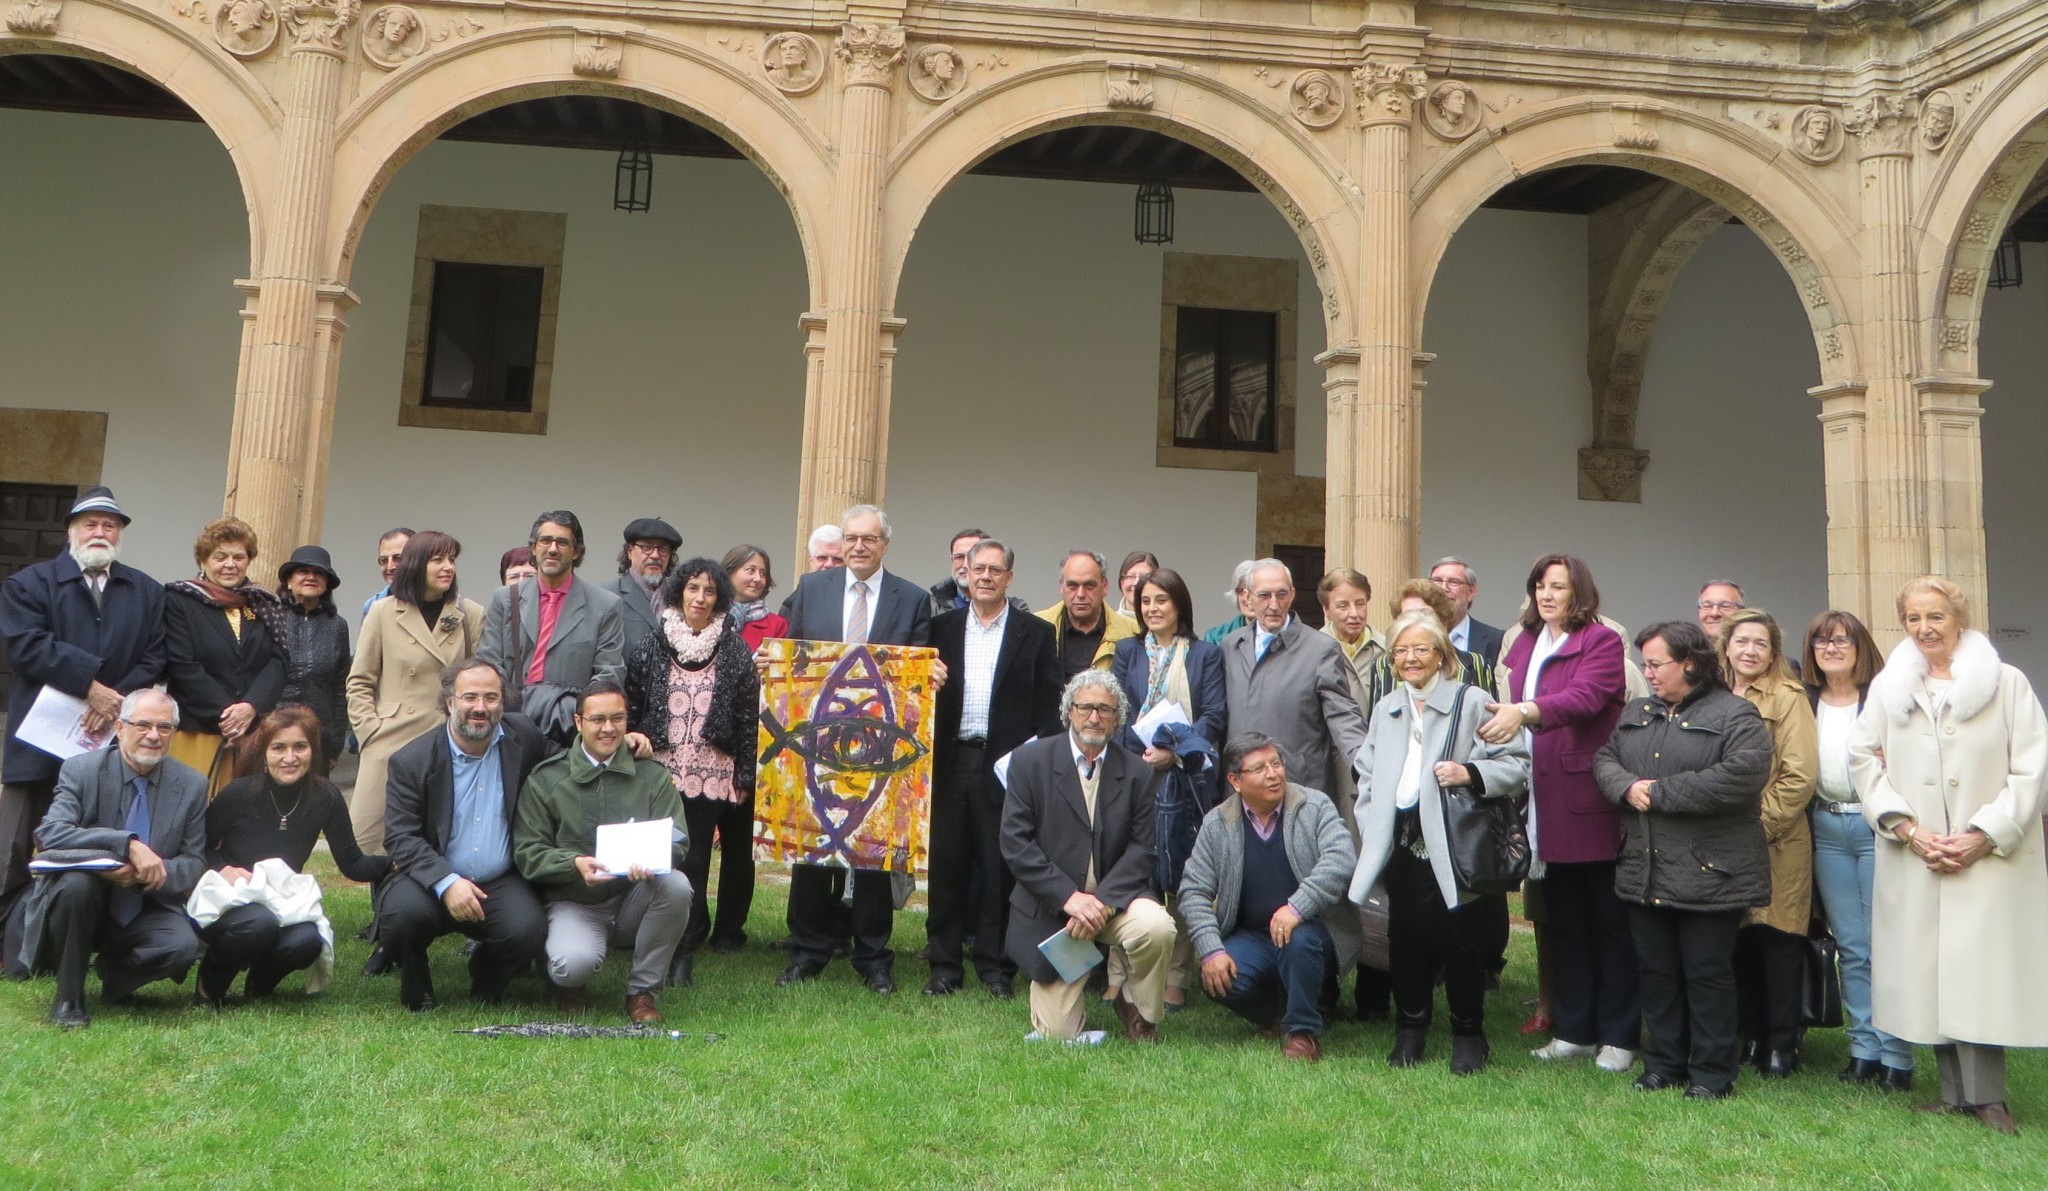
[(1267, 564), (1452, 560), (129, 700), (1092, 677), (881, 518), (1239, 576), (823, 536)]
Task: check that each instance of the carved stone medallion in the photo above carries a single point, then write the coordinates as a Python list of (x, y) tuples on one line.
[(794, 63), (245, 28), (393, 34), (1316, 99), (937, 73), (1816, 134), (1937, 120), (1451, 110)]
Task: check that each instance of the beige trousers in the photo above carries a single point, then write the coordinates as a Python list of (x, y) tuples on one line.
[(1181, 968), (1146, 933)]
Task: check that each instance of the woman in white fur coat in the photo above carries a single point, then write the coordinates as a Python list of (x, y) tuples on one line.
[(1949, 757)]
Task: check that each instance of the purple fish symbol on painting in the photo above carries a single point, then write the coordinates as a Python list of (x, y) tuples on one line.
[(851, 744)]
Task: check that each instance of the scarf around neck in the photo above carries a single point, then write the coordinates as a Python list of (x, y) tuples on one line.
[(748, 613), (691, 646)]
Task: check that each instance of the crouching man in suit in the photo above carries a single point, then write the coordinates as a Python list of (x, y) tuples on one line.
[(1078, 835), (134, 801)]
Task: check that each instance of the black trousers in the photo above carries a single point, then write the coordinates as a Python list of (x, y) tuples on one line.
[(250, 939), (158, 944), (970, 885), (1770, 970), (22, 806), (1688, 990), (1493, 915), (733, 822), (513, 933), (1423, 936), (815, 919), (1593, 997)]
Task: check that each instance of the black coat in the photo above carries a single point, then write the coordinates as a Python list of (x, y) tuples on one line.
[(1700, 846), (316, 670), (57, 636), (419, 797), (901, 614), (209, 669), (733, 724), (1024, 700)]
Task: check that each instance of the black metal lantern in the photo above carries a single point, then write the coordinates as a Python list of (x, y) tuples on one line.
[(633, 184), (1155, 212), (2005, 262)]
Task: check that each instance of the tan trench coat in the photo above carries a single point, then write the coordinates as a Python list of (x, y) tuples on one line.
[(1961, 958), (1795, 772), (394, 693)]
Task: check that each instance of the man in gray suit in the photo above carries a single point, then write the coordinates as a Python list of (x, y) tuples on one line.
[(147, 810), (567, 632), (644, 561), (1286, 680)]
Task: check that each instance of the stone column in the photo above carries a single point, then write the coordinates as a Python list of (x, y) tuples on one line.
[(1374, 518), (846, 430), (277, 459), (1950, 416), (1842, 430)]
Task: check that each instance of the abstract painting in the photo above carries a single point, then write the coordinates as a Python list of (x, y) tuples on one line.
[(846, 755)]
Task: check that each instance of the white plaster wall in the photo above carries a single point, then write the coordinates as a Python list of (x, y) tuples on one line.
[(2014, 357)]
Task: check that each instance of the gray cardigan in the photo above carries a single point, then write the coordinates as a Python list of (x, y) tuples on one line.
[(1318, 849)]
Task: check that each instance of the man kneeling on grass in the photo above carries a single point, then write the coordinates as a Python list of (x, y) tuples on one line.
[(1267, 865), (555, 843)]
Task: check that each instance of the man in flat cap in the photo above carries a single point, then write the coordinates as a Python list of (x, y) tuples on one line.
[(86, 625), (644, 561)]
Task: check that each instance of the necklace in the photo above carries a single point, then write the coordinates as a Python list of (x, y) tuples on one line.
[(284, 817)]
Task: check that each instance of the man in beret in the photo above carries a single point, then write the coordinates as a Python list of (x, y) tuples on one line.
[(644, 561)]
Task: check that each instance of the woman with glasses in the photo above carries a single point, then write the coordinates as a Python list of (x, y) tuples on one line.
[(1839, 661)]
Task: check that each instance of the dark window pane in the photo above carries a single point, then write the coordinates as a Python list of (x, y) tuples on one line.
[(483, 336), (1223, 378), (1194, 379)]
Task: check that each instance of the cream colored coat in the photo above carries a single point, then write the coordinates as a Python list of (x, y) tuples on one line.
[(1795, 771), (1960, 958), (394, 693)]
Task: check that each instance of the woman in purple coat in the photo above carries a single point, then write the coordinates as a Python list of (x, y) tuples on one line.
[(1565, 682)]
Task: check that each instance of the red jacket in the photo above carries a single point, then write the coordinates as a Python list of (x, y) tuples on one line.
[(1579, 696), (760, 630)]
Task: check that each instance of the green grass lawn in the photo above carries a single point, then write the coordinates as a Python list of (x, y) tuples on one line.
[(826, 1084)]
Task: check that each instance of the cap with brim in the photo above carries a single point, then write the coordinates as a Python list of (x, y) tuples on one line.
[(653, 529), (309, 558), (97, 499)]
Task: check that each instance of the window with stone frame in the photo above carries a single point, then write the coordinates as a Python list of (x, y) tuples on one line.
[(480, 342), (483, 336), (1223, 384)]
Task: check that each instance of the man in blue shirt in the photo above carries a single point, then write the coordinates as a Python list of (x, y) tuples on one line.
[(451, 800)]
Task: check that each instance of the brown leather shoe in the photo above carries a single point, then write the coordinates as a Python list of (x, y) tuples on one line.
[(1939, 1107), (641, 1009), (1302, 1046), (1995, 1118), (1275, 1028), (1136, 1028), (572, 1001)]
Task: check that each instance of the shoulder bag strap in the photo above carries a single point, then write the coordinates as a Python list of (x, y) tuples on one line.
[(515, 684), (1457, 715)]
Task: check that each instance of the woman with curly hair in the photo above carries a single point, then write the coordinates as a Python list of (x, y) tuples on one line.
[(225, 655)]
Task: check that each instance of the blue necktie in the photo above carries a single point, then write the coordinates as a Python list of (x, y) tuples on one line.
[(127, 902)]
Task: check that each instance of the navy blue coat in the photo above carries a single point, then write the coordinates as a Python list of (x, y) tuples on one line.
[(56, 636), (1133, 671)]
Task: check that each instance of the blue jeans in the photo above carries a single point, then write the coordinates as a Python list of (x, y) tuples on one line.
[(1844, 865), (1267, 975)]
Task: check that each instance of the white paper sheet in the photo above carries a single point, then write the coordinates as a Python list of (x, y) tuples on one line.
[(1002, 765), (1164, 712), (56, 724), (621, 846)]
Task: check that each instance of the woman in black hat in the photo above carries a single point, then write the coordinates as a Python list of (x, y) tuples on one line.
[(316, 646)]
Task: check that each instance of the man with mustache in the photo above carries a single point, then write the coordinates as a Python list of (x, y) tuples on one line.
[(450, 802), (90, 626)]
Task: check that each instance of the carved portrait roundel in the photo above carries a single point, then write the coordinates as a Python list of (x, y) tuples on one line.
[(1316, 98), (245, 28), (937, 73), (393, 34), (1816, 134), (1451, 110), (794, 63)]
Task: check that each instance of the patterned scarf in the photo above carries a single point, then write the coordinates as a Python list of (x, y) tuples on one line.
[(250, 598), (1161, 660), (747, 613), (692, 647)]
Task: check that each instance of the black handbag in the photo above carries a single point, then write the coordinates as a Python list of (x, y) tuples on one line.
[(1820, 991), (550, 705), (1489, 841)]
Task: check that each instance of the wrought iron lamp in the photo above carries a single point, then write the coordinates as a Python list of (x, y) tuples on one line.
[(1155, 212), (633, 182), (2005, 262)]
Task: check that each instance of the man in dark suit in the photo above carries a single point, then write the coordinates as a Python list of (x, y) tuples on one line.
[(568, 632), (148, 810), (450, 803), (1078, 835), (83, 624), (1461, 583), (857, 602), (644, 561), (1004, 690)]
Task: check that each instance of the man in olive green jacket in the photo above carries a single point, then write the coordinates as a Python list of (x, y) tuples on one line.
[(554, 843)]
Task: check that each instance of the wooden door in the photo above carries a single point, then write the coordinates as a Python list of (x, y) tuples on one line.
[(31, 530)]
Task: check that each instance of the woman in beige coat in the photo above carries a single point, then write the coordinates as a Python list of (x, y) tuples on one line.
[(1949, 757), (1770, 958), (394, 687)]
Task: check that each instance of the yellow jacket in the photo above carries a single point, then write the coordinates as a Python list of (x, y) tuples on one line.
[(1119, 626)]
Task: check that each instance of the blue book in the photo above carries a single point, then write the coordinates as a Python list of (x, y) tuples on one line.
[(1072, 958)]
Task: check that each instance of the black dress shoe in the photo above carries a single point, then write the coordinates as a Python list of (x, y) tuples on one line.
[(1751, 1055), (941, 986), (378, 964), (1779, 1064), (727, 946), (1408, 1044), (1652, 1081), (1895, 1080), (795, 974), (681, 972), (1860, 1071), (204, 998), (69, 1015), (1700, 1091), (1469, 1053), (883, 984), (425, 1004), (1003, 990)]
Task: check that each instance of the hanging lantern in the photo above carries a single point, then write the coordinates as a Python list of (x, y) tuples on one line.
[(1155, 212), (633, 184), (2005, 262)]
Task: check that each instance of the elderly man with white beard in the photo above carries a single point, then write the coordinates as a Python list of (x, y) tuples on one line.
[(84, 624)]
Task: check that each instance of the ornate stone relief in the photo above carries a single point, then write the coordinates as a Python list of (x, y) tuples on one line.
[(794, 63), (393, 34), (1315, 98), (321, 26), (871, 53), (1879, 122), (1815, 135), (1937, 120), (1386, 90), (245, 28), (1134, 89), (1612, 474), (937, 73), (1634, 134), (1451, 111), (33, 16), (597, 58)]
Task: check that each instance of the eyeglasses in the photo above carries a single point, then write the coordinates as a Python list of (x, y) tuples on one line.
[(615, 720), (1094, 710), (862, 539), (1719, 605), (546, 540), (988, 568), (1650, 667), (487, 698), (1833, 642), (151, 727), (650, 547), (1448, 583), (1415, 651), (1263, 768), (1269, 597)]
